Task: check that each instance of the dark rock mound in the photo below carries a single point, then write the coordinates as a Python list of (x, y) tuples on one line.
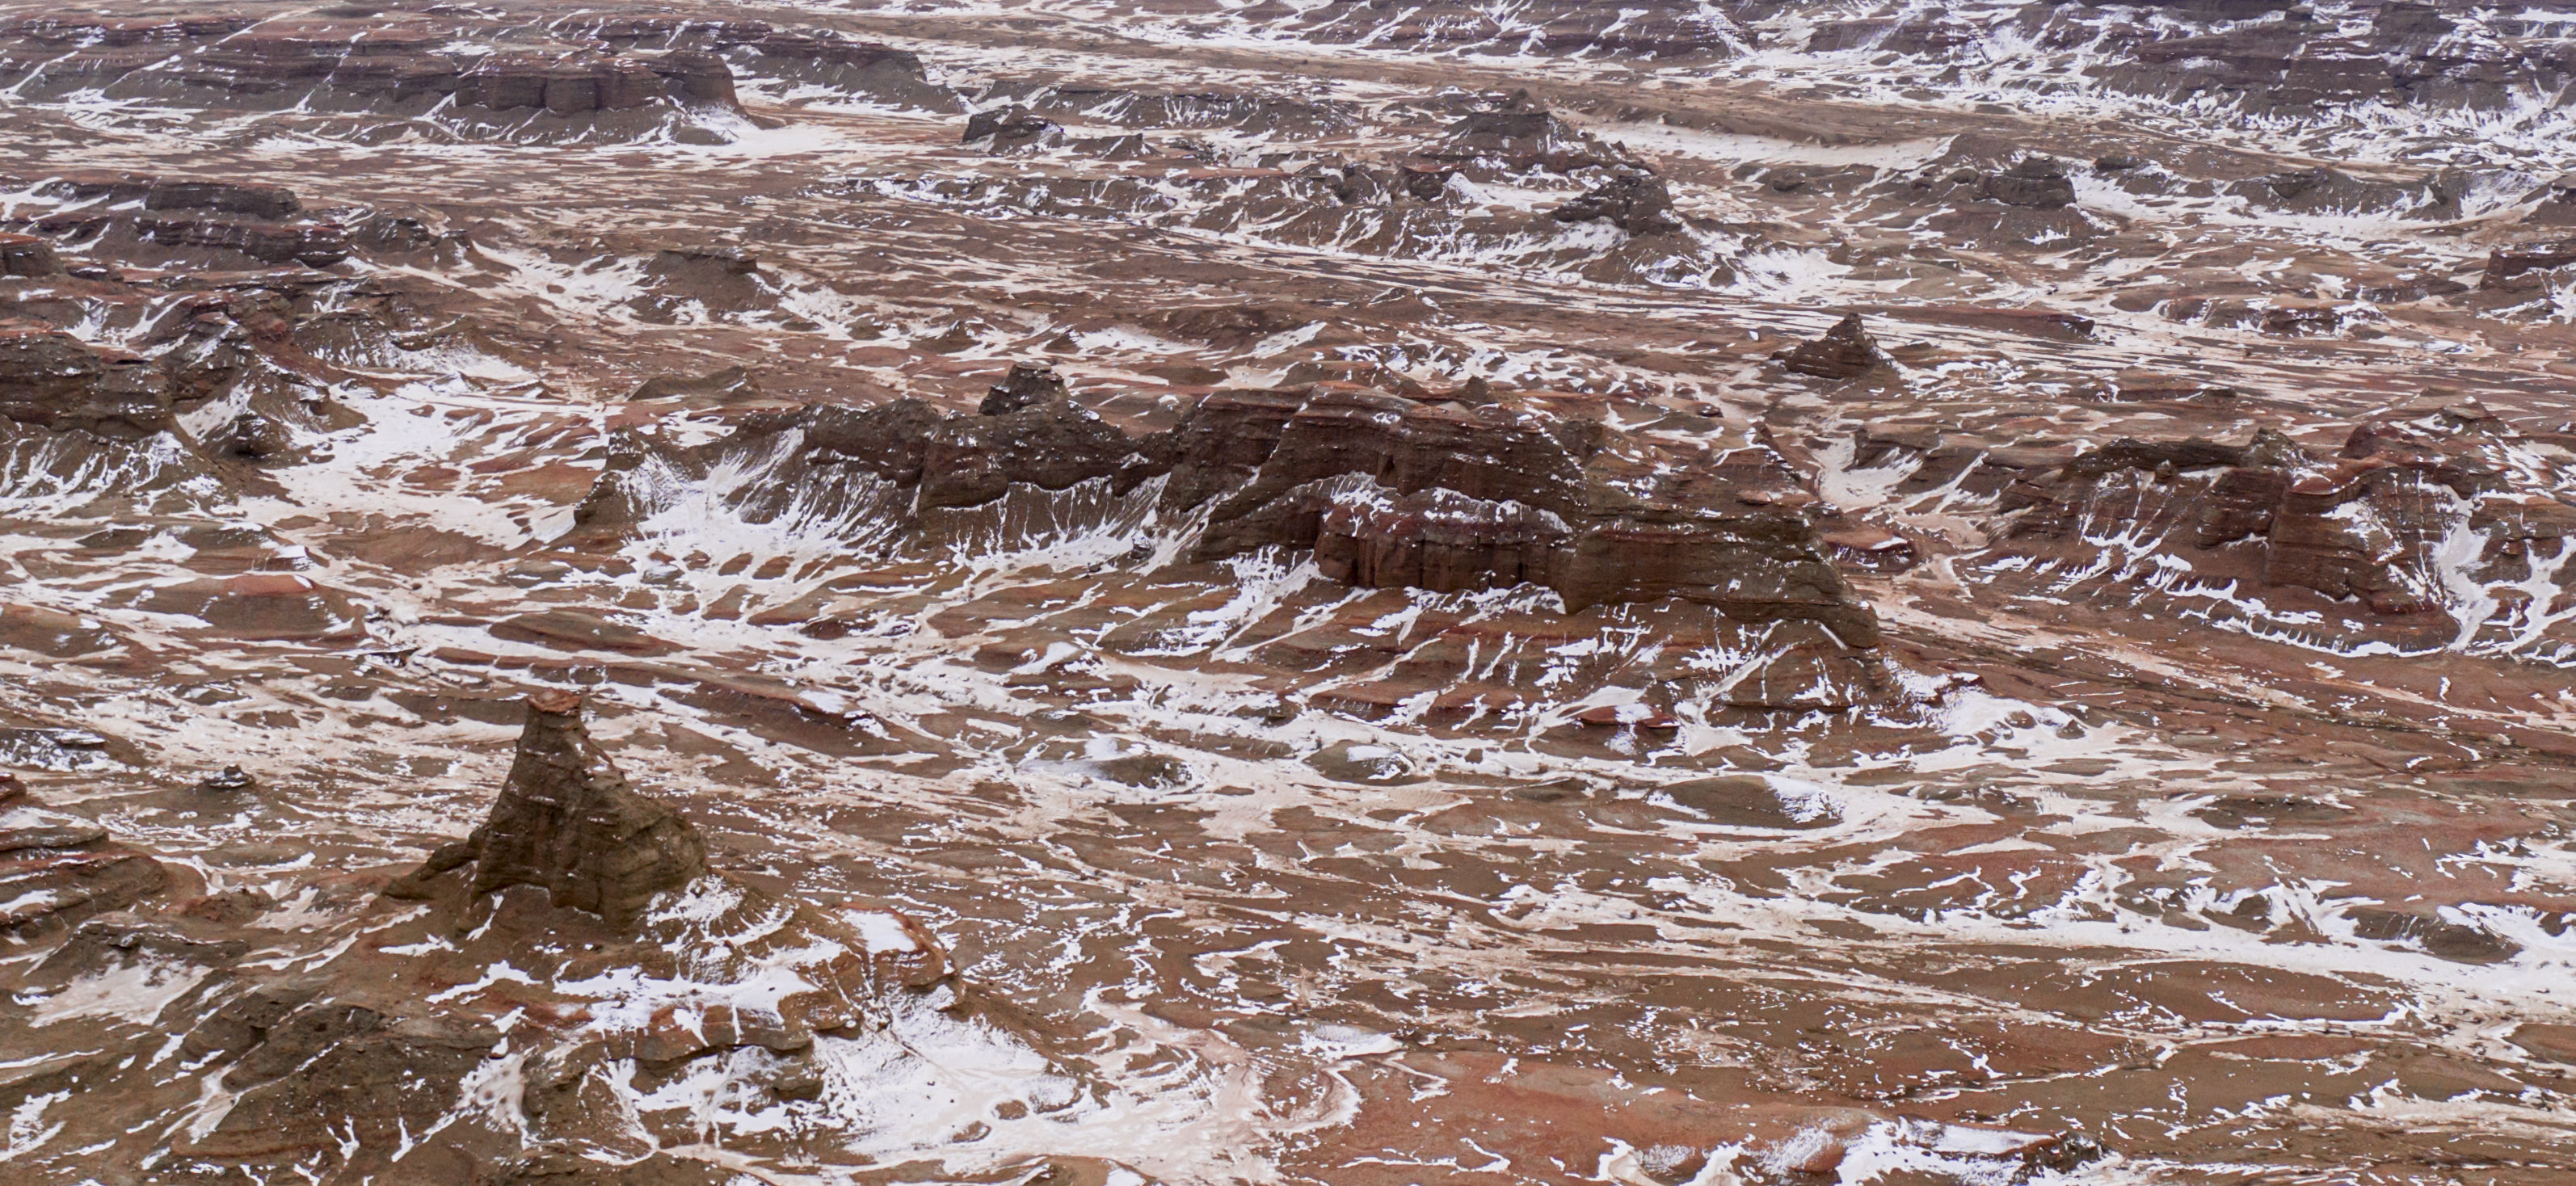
[(1638, 203), (56, 869), (1047, 442), (1027, 385), (1844, 352), (1011, 129), (2036, 181), (567, 821), (28, 257), (1523, 136), (813, 57)]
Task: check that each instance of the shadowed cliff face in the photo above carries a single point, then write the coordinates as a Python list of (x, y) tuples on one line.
[(1195, 593)]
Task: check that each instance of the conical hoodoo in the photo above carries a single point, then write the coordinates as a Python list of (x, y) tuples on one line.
[(1844, 352), (568, 821)]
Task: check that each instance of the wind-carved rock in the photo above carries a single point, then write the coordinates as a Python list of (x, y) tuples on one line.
[(1844, 352), (1028, 385), (2443, 529), (50, 379), (2034, 180), (1638, 203), (568, 821)]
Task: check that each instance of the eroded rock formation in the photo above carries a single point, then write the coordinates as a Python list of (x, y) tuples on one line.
[(1844, 352), (56, 869), (568, 823)]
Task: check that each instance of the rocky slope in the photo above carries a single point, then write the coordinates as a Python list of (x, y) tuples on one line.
[(1201, 592)]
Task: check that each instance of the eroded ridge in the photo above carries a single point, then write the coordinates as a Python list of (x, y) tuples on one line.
[(1193, 592)]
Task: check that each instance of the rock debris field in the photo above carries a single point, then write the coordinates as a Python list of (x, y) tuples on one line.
[(1194, 592)]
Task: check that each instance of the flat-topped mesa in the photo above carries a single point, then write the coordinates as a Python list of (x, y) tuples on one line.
[(222, 224), (567, 821), (816, 57), (1385, 490), (430, 71)]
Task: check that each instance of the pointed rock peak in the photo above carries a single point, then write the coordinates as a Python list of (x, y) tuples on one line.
[(1028, 385), (1844, 352), (567, 820)]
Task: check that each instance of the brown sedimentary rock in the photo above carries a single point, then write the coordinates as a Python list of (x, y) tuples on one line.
[(1011, 129), (251, 220), (2038, 181), (51, 379), (56, 869), (1844, 352), (1050, 444), (1638, 203), (2505, 264), (819, 57), (567, 821), (2365, 525), (1391, 492), (28, 257), (1026, 386)]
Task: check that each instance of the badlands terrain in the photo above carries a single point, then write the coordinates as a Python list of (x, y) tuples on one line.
[(1103, 592)]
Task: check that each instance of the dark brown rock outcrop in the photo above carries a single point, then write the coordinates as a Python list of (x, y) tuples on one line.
[(56, 869), (1392, 492), (401, 72), (567, 821), (2411, 519), (28, 257), (1522, 136), (1638, 203), (2508, 265), (2038, 181), (1011, 129), (815, 57), (1050, 443), (191, 219), (1026, 386), (50, 379), (1844, 352)]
